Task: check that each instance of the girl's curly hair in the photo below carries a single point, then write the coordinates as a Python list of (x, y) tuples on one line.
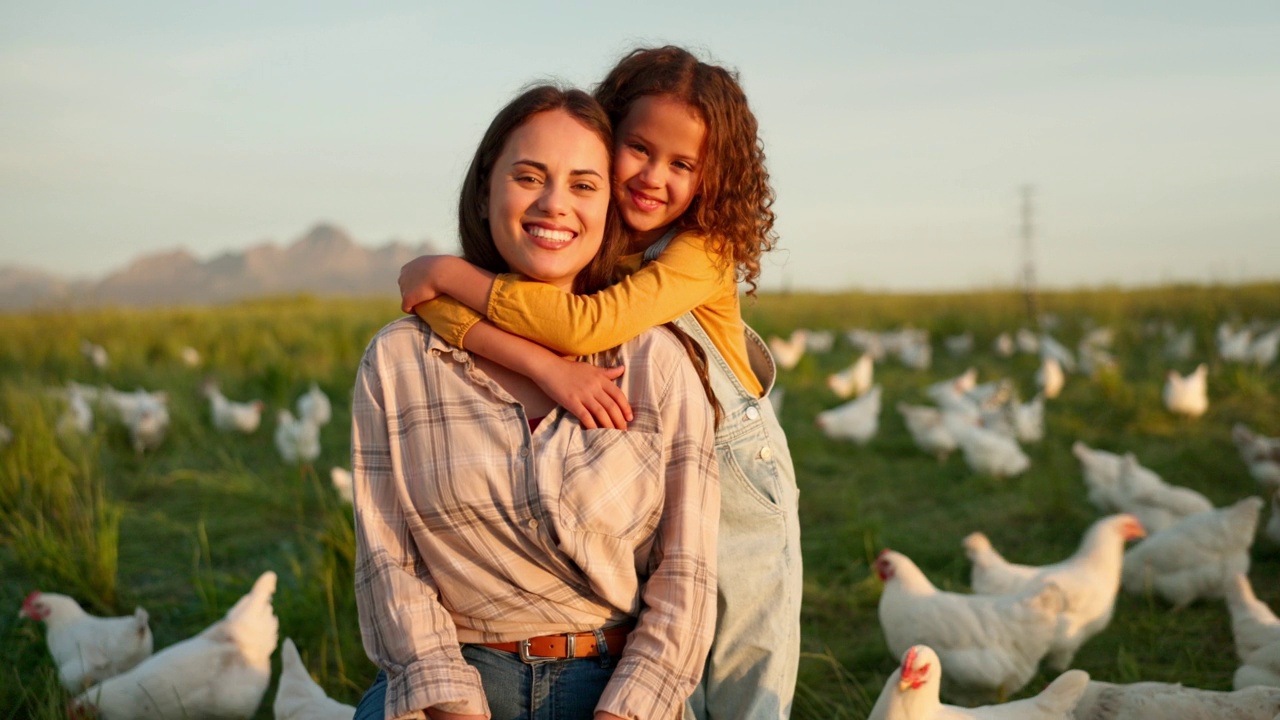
[(733, 206)]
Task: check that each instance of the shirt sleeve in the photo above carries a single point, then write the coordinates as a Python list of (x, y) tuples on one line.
[(683, 277), (405, 630), (448, 318), (666, 653)]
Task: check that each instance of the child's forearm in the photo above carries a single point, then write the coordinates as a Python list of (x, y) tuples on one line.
[(510, 351), (467, 284)]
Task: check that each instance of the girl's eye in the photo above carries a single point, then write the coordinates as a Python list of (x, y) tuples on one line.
[(637, 147), (683, 165)]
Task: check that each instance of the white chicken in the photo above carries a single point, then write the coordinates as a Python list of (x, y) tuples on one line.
[(1272, 531), (314, 406), (911, 693), (916, 352), (787, 353), (1169, 701), (928, 429), (1264, 348), (1003, 345), (1233, 345), (298, 697), (232, 416), (78, 418), (1027, 341), (1051, 348), (95, 354), (1050, 378), (856, 420), (1179, 346), (1260, 453), (1253, 624), (1262, 667), (1101, 476), (853, 380), (1195, 558), (146, 414), (297, 439), (1028, 419), (991, 644), (1156, 503), (1089, 579), (221, 673), (985, 451), (342, 482), (1187, 395), (87, 648), (958, 345), (819, 341)]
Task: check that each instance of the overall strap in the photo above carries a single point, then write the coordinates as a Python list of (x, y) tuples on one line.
[(652, 252)]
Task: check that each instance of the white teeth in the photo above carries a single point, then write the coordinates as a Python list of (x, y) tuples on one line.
[(553, 235)]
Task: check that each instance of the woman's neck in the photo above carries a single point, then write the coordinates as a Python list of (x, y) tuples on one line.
[(526, 392)]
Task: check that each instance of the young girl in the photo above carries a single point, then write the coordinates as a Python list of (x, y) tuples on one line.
[(691, 186)]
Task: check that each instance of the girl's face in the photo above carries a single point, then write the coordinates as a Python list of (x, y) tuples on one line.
[(657, 164), (549, 197)]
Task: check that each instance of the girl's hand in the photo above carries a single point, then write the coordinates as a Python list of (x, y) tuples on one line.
[(589, 393), (417, 284)]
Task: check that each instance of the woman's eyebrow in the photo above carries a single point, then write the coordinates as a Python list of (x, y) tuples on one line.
[(542, 167)]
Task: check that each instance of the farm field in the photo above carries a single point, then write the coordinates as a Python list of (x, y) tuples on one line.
[(184, 529)]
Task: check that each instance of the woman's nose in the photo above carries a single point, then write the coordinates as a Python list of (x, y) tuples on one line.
[(554, 200)]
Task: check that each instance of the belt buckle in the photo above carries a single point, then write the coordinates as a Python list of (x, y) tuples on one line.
[(523, 650)]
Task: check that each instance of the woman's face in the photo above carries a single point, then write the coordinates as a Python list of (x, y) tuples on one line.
[(548, 198)]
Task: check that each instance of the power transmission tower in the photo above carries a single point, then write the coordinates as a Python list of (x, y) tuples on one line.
[(1028, 259)]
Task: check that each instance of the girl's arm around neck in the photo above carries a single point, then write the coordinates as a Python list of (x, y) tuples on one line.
[(682, 278), (588, 392), (429, 276)]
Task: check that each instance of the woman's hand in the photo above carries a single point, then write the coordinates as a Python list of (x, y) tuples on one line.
[(417, 282), (589, 393), (435, 714)]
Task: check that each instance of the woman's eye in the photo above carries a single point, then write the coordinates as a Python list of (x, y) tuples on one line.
[(588, 187), (527, 179)]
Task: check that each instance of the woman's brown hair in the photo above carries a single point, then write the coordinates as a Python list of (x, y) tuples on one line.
[(732, 208)]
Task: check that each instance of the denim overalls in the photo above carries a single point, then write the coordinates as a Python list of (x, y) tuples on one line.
[(751, 670)]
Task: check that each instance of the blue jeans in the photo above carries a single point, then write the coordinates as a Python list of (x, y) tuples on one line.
[(560, 690)]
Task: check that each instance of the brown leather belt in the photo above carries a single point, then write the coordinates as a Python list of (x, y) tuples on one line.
[(567, 646)]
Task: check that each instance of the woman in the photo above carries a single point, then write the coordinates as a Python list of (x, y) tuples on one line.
[(509, 562)]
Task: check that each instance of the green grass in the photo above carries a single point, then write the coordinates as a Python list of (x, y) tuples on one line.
[(184, 530)]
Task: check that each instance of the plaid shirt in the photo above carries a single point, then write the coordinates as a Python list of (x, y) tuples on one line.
[(470, 528)]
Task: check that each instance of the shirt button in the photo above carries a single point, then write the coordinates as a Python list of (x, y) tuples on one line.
[(533, 523), (753, 412), (524, 452), (766, 452)]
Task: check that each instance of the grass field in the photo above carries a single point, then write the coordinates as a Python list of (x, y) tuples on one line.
[(185, 529)]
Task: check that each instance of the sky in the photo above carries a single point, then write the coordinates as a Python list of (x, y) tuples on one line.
[(899, 136)]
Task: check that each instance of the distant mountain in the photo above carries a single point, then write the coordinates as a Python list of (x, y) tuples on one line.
[(324, 261)]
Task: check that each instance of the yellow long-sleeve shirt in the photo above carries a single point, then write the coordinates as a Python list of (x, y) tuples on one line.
[(684, 277)]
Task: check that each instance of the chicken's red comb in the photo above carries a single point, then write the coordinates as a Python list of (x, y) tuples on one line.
[(31, 599)]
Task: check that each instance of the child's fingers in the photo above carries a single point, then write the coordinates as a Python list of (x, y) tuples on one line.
[(619, 399), (584, 416)]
